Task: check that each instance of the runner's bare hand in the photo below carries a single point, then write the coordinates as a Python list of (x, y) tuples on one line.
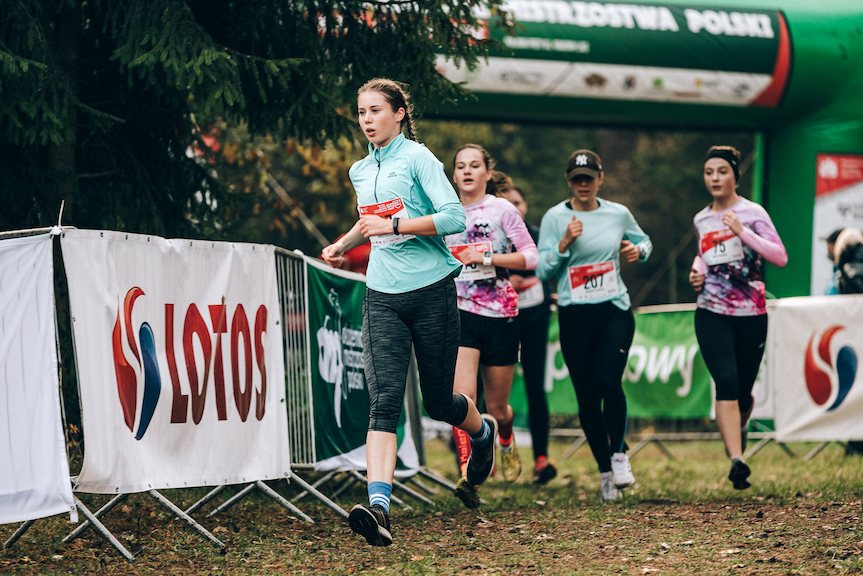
[(373, 225), (334, 255), (696, 280), (731, 220), (571, 234), (629, 251)]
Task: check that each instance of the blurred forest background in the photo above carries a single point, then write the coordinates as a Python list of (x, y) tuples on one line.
[(657, 174)]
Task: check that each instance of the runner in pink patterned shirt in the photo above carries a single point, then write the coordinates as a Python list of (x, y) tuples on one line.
[(487, 303), (734, 236)]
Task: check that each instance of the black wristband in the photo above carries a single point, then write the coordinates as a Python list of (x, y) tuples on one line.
[(395, 225)]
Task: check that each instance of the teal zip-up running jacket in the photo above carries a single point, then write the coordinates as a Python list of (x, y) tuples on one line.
[(599, 243), (407, 170)]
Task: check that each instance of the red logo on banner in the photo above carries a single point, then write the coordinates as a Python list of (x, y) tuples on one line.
[(203, 357), (127, 379), (819, 382)]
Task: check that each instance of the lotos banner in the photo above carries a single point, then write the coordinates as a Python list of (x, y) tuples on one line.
[(180, 366), (34, 470), (815, 374), (339, 392)]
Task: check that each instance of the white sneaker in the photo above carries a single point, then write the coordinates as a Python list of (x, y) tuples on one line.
[(621, 470), (610, 492)]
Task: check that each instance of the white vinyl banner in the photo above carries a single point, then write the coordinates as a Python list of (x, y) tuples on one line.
[(34, 471), (816, 346), (179, 352)]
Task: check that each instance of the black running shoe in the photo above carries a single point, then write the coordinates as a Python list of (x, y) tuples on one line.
[(371, 522), (466, 492), (738, 475), (481, 461), (544, 471)]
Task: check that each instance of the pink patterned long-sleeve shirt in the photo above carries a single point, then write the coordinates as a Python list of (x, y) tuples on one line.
[(486, 290), (732, 265)]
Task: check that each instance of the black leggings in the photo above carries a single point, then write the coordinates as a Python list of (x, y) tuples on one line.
[(533, 333), (732, 347), (428, 318), (595, 341)]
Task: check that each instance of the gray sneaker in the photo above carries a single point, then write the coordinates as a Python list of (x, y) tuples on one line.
[(481, 461), (610, 492)]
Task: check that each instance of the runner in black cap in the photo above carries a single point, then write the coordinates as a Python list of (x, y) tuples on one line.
[(581, 242)]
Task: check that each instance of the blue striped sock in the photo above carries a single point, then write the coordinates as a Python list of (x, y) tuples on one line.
[(379, 493), (483, 437)]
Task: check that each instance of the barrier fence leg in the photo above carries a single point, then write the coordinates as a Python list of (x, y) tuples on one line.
[(99, 513), (348, 482), (575, 446), (816, 451), (645, 441), (317, 494), (104, 532), (428, 489), (281, 500), (436, 478), (320, 481), (209, 496), (176, 511), (411, 492), (232, 500), (18, 533), (786, 449), (757, 448)]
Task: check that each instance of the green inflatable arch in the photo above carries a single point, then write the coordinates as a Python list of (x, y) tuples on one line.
[(791, 70)]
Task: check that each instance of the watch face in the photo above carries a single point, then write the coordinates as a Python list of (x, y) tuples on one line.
[(486, 254)]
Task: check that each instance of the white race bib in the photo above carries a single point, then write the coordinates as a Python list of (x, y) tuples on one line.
[(721, 246), (471, 272), (389, 209), (533, 295), (590, 282)]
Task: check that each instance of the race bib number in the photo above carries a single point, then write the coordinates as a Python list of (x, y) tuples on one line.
[(471, 272), (721, 246), (389, 209), (593, 281), (532, 295)]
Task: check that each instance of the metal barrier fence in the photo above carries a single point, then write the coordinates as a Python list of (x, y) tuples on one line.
[(293, 299)]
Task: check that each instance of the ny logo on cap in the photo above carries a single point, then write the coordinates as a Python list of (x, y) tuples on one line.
[(581, 160)]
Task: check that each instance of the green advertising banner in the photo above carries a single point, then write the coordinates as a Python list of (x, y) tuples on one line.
[(664, 378), (339, 393)]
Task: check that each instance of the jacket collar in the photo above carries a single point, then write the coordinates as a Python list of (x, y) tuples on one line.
[(388, 150)]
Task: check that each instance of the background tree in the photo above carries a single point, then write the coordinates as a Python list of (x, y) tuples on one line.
[(117, 107), (100, 98)]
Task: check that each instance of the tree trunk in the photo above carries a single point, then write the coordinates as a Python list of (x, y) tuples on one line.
[(61, 156)]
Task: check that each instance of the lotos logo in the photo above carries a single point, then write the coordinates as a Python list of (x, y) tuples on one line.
[(227, 343), (821, 375), (127, 376)]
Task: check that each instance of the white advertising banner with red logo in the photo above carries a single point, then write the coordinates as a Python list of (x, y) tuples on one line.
[(180, 366), (34, 470), (816, 344), (838, 204)]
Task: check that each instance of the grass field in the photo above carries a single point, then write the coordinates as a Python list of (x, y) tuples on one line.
[(682, 517)]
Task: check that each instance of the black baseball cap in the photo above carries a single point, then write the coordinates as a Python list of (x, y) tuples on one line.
[(584, 162)]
